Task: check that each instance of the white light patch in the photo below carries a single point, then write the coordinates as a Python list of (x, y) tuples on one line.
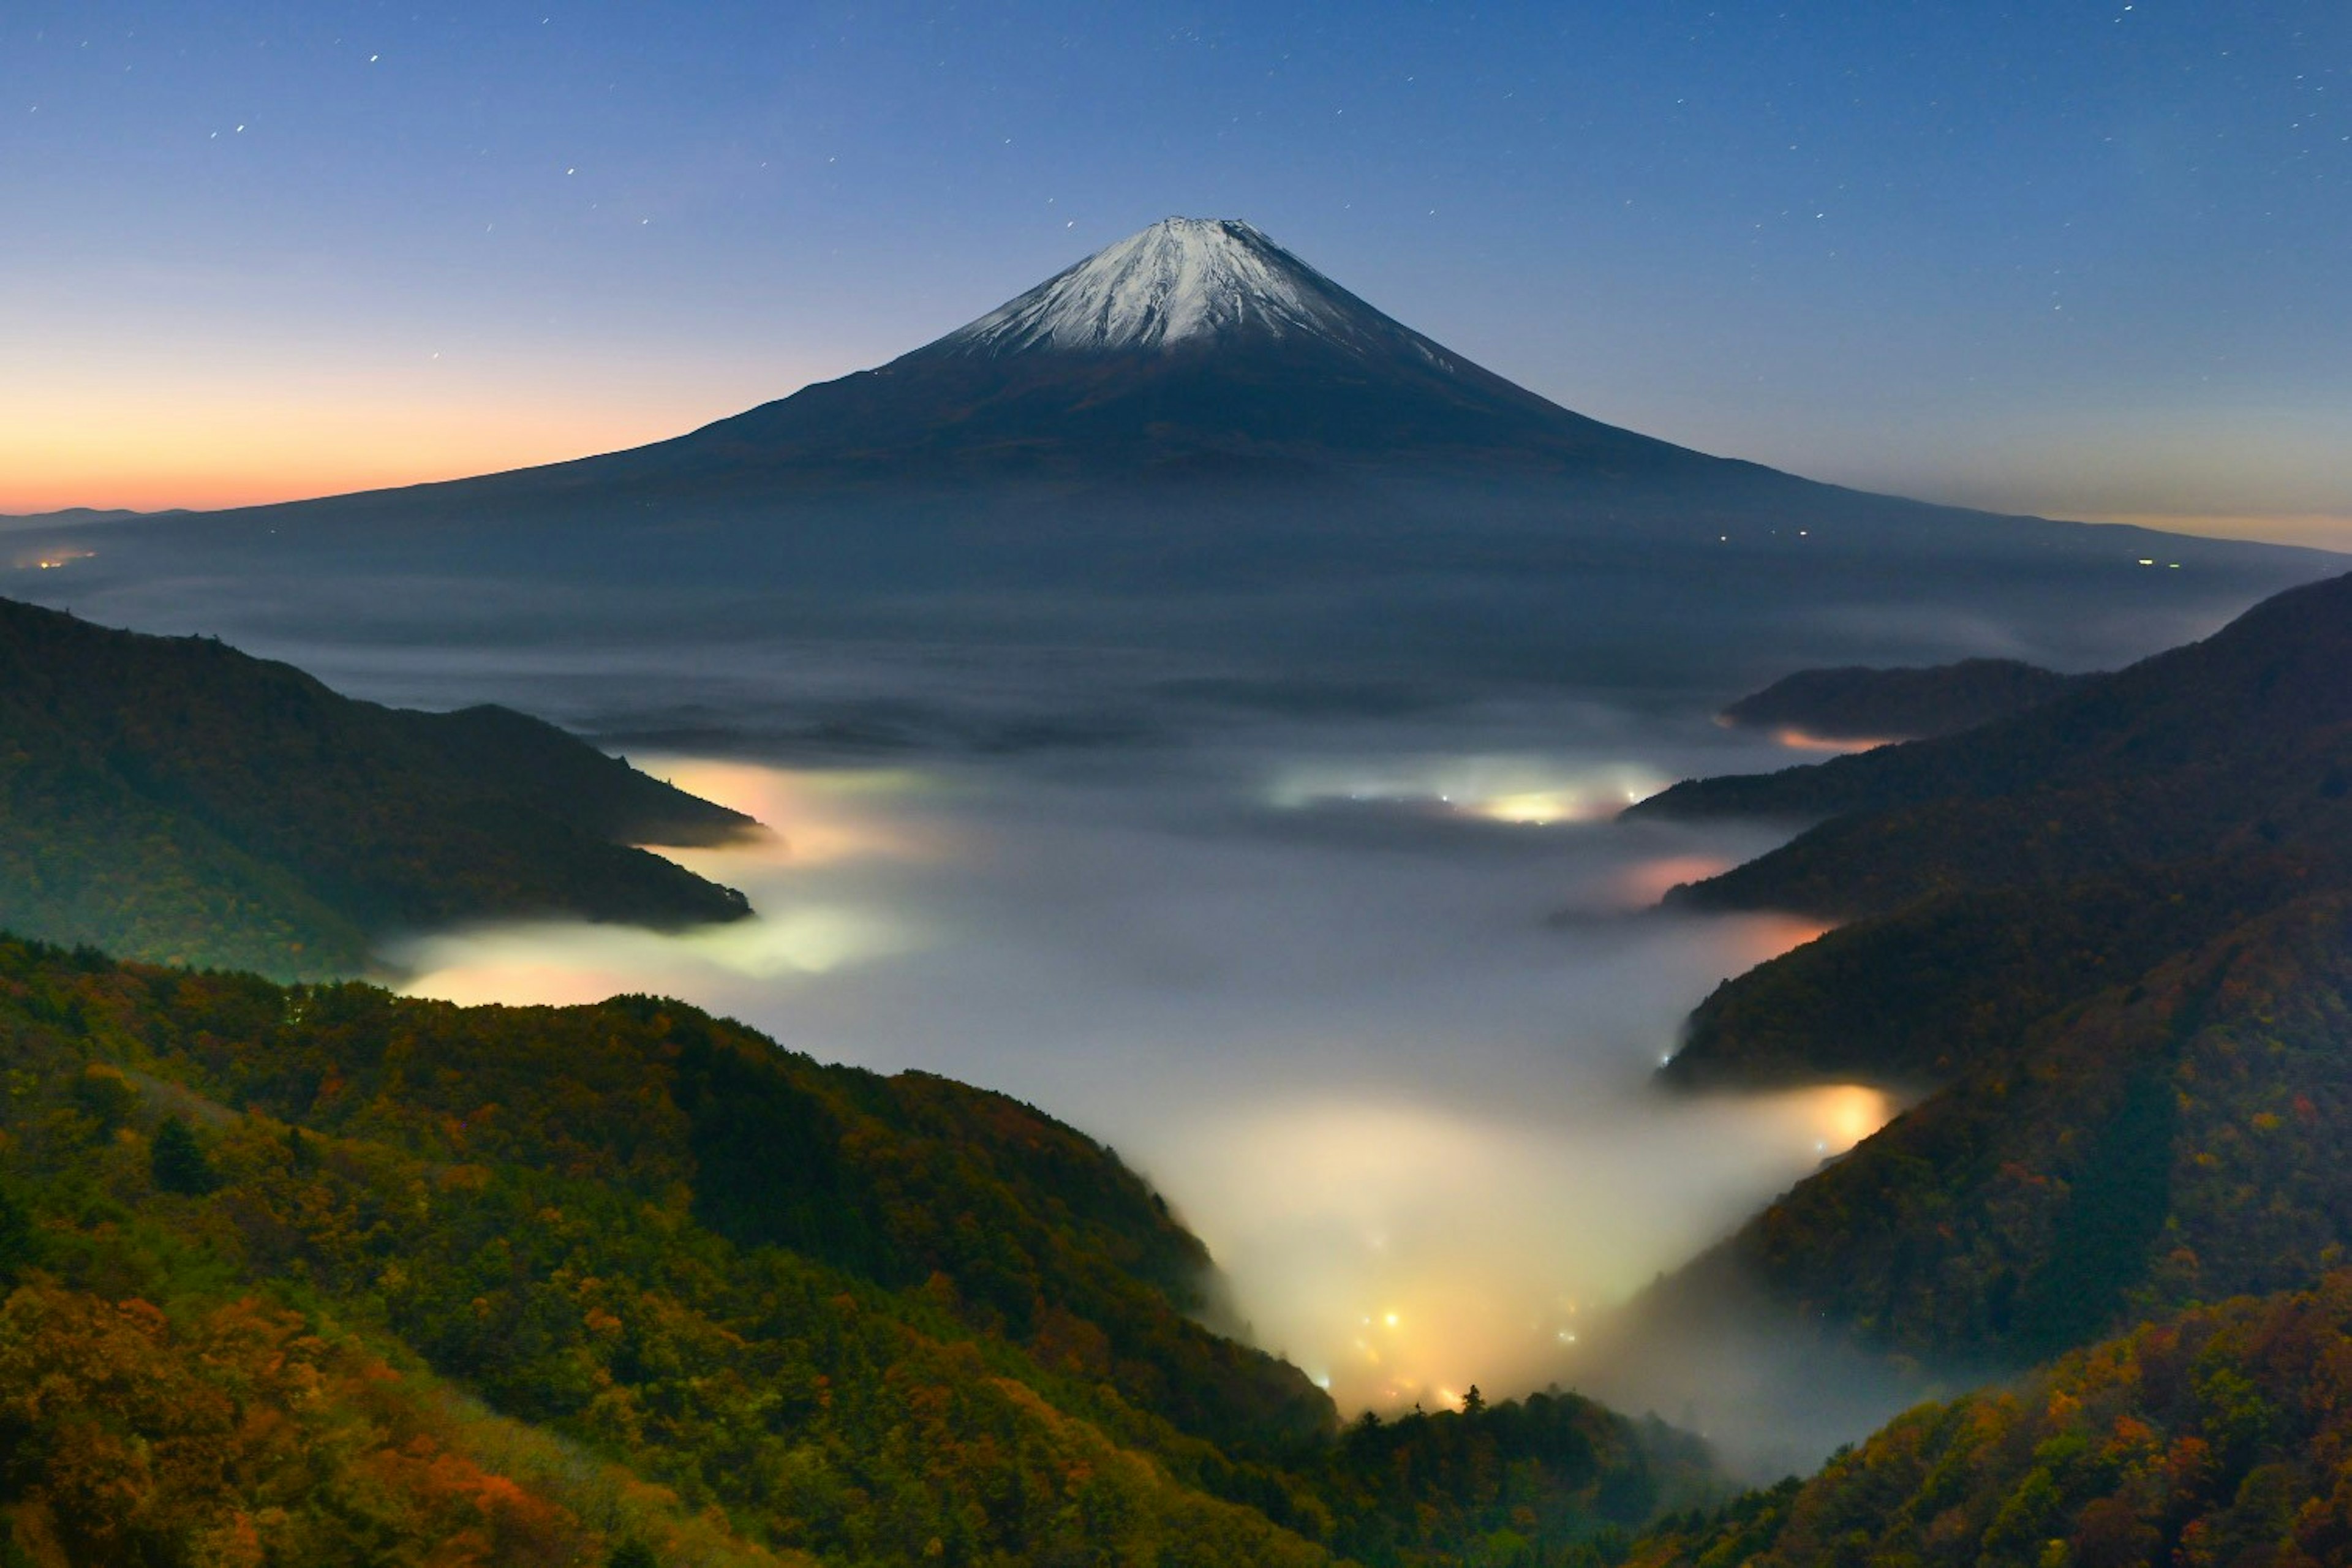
[(1530, 790)]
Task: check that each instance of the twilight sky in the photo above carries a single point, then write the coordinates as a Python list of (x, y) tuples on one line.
[(2087, 260)]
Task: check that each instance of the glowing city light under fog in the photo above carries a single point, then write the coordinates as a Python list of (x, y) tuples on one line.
[(1526, 791), (1399, 1231), (1307, 1198)]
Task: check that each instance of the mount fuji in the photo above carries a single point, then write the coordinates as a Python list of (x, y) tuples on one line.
[(1194, 437), (1197, 343)]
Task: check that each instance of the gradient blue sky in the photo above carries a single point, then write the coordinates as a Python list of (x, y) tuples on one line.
[(2080, 258)]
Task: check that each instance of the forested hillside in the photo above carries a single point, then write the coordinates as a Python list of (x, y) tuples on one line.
[(320, 1275), (1995, 879), (2178, 1139), (170, 798), (2241, 743), (2110, 940), (2222, 1436)]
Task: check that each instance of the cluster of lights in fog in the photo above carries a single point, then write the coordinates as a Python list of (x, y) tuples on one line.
[(1519, 791)]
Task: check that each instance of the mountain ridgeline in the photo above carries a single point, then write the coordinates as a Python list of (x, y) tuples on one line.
[(172, 798), (1860, 704)]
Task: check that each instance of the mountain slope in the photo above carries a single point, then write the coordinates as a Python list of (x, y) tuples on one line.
[(2110, 940), (630, 1270), (1180, 280), (2245, 735), (1858, 703), (173, 799), (1995, 878), (2216, 1438), (2177, 1140), (1196, 345)]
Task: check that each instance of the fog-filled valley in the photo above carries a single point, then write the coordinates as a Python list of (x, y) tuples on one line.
[(1387, 1055), (1362, 975)]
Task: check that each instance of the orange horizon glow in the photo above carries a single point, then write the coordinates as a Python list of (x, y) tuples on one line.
[(85, 441), (311, 452), (209, 459), (2317, 530), (207, 424)]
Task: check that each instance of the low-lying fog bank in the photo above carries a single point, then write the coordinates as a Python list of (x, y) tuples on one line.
[(1281, 863), (1375, 1002)]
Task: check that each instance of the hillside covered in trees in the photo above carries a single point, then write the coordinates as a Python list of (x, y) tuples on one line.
[(1992, 880), (320, 1275), (2222, 1436), (170, 798), (2108, 944), (2236, 744)]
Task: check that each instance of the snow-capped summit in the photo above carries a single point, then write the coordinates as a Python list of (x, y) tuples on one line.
[(1198, 345), (1182, 281)]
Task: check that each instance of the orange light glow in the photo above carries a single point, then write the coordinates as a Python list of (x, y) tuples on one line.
[(1850, 1113), (519, 982), (275, 427), (1805, 741), (52, 558), (1768, 937), (1647, 883), (2320, 529)]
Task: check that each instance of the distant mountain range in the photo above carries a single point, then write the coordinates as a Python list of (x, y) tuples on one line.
[(1194, 440), (172, 798)]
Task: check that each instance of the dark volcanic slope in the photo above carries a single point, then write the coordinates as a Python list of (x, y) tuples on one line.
[(1196, 344), (172, 797), (1858, 703), (1046, 382)]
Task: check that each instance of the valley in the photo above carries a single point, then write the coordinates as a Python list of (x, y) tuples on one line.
[(1178, 969)]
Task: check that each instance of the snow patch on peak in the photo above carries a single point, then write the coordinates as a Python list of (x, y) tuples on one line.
[(1182, 279)]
